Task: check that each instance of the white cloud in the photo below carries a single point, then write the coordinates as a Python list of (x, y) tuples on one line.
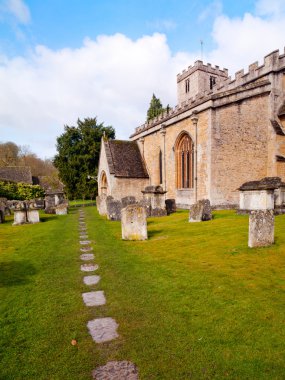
[(112, 77), (242, 41), (19, 10), (213, 10), (270, 7)]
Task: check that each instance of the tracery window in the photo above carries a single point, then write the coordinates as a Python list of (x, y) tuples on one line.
[(187, 85), (185, 162)]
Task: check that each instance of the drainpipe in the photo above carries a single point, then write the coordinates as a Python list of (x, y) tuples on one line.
[(163, 133), (194, 119)]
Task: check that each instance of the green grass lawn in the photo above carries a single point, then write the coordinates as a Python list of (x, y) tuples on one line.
[(192, 302)]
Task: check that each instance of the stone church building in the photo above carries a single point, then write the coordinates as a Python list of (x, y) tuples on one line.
[(223, 132)]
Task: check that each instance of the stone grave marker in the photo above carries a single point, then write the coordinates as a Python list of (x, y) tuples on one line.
[(200, 211), (261, 228), (134, 224)]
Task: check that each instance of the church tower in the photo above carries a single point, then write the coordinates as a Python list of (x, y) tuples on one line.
[(199, 80)]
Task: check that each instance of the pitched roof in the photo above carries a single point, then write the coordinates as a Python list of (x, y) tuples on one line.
[(16, 174), (124, 159)]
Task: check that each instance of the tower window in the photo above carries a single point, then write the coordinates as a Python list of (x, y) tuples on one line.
[(212, 82), (187, 85)]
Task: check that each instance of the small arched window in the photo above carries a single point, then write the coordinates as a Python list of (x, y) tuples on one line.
[(103, 184), (185, 162)]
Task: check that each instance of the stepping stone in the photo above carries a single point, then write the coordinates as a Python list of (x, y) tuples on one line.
[(87, 256), (122, 370), (86, 249), (82, 224), (82, 229), (84, 242), (89, 267), (91, 280), (103, 329), (94, 298), (83, 236)]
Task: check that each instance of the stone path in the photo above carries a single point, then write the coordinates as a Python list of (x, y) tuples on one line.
[(94, 298), (87, 256), (123, 370), (101, 329)]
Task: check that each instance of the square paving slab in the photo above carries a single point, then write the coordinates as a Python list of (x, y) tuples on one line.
[(122, 370), (94, 298), (85, 242), (87, 256), (103, 329), (91, 280), (89, 267), (86, 249), (83, 237)]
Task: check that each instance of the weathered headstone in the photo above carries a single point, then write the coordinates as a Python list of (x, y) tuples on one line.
[(61, 209), (200, 211), (114, 208), (33, 216), (170, 206), (101, 204), (20, 213), (155, 195), (126, 201), (134, 224), (261, 228), (116, 370)]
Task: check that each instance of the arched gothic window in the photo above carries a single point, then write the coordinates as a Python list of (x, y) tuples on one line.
[(185, 162)]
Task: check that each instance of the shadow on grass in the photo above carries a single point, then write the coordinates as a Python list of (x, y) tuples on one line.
[(14, 273), (151, 234), (48, 218)]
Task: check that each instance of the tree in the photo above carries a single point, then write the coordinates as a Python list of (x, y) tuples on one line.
[(155, 108), (77, 156), (9, 154)]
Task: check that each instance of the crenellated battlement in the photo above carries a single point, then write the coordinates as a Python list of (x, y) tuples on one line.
[(272, 62), (199, 65), (225, 90)]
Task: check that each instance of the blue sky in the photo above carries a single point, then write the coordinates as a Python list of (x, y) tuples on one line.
[(60, 60)]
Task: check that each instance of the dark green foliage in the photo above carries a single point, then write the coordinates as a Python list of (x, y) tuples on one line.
[(20, 191), (155, 108), (78, 156)]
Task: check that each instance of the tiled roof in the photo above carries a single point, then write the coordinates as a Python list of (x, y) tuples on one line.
[(16, 174), (124, 159)]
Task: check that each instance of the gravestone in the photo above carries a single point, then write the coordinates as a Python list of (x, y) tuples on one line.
[(155, 195), (170, 206), (33, 215), (126, 201), (200, 211), (20, 213), (134, 224), (101, 204), (261, 228), (61, 209), (2, 210), (114, 208)]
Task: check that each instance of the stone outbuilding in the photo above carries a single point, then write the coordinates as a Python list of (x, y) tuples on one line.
[(122, 170)]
